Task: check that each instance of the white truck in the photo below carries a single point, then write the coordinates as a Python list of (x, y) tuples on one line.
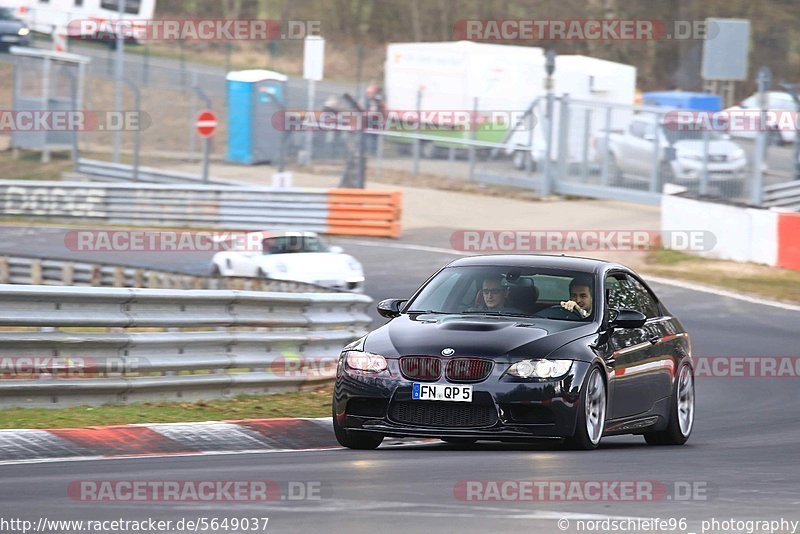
[(449, 76), (48, 16)]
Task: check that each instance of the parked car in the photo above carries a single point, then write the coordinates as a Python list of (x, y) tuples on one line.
[(556, 347), (776, 101), (13, 31), (631, 155), (297, 256)]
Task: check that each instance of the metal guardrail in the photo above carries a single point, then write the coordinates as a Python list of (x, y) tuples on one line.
[(294, 341), (330, 211), (36, 271), (783, 195), (105, 171)]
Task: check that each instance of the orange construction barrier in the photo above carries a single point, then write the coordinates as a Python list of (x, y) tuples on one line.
[(365, 212)]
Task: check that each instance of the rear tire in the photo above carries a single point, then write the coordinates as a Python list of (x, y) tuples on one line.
[(591, 419), (681, 412), (355, 440)]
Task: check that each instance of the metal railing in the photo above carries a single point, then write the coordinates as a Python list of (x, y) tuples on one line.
[(37, 271), (294, 340), (105, 171), (783, 195)]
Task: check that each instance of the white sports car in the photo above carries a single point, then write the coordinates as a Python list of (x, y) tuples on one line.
[(297, 256)]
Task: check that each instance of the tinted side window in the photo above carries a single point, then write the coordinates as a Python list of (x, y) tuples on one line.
[(621, 295), (648, 304)]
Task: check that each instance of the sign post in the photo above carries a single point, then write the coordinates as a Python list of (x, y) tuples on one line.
[(206, 125), (313, 67)]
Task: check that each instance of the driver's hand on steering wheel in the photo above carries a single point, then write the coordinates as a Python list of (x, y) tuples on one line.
[(571, 305)]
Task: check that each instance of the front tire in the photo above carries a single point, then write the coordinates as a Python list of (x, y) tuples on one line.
[(591, 414), (681, 413), (355, 440)]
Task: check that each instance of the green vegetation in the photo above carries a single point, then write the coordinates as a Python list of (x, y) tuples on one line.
[(760, 280), (313, 403)]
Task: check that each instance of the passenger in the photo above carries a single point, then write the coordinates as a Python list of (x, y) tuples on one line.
[(494, 294)]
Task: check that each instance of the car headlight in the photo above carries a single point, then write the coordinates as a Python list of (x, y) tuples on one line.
[(354, 265), (693, 157), (739, 154), (23, 32), (365, 361), (540, 368)]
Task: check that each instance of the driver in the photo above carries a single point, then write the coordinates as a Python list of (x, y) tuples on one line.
[(579, 304), (580, 297)]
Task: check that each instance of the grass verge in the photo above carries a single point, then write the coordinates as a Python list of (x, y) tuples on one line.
[(760, 280), (311, 403)]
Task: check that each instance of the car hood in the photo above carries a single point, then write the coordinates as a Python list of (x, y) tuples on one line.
[(499, 338), (693, 147), (10, 26)]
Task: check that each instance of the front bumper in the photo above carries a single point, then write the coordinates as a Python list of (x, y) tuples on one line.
[(692, 171), (503, 407)]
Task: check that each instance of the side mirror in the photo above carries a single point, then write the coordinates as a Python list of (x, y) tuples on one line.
[(390, 308), (627, 319), (336, 249)]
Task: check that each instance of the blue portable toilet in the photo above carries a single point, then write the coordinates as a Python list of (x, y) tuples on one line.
[(254, 97), (683, 100)]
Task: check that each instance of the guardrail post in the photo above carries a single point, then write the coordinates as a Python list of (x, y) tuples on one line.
[(119, 277), (96, 276), (36, 272), (5, 275), (68, 273)]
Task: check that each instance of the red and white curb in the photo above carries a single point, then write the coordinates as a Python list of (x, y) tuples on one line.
[(171, 439), (166, 439)]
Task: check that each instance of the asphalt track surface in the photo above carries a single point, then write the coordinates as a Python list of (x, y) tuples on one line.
[(743, 458)]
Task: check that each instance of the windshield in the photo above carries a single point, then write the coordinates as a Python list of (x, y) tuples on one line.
[(507, 291), (7, 14), (293, 243), (673, 134)]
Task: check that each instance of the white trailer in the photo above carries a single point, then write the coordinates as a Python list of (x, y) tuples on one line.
[(450, 76), (47, 16)]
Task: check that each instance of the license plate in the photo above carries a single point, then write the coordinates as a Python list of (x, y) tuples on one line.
[(441, 392)]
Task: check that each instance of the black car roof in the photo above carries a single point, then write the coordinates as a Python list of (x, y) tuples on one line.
[(571, 263)]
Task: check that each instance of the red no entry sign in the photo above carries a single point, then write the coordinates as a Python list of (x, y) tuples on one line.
[(206, 123)]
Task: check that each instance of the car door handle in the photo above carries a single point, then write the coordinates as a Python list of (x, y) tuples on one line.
[(655, 340)]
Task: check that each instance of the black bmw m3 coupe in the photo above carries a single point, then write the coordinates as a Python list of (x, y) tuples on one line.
[(512, 348)]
